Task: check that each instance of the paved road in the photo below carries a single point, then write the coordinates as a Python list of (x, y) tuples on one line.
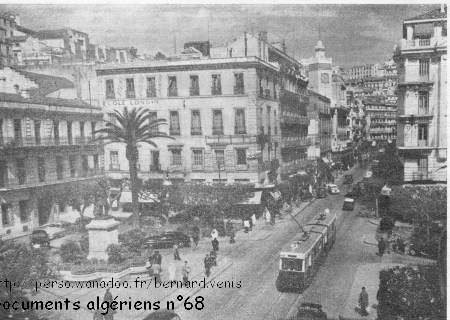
[(256, 265)]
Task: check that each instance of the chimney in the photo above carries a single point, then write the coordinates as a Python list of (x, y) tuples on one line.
[(263, 36)]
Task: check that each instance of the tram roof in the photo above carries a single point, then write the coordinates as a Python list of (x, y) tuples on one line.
[(315, 229), (302, 245), (323, 219)]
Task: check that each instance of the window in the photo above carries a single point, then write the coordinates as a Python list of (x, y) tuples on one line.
[(37, 131), (423, 102), (96, 163), (172, 90), (155, 166), (114, 160), (239, 121), (21, 171), (194, 89), (84, 166), (23, 211), (238, 83), (41, 169), (196, 127), (197, 159), (17, 129), (6, 218), (56, 131), (153, 117), (217, 122), (82, 130), (176, 157), (59, 168), (216, 88), (3, 174), (130, 93), (291, 264), (69, 131), (174, 124), (424, 68), (110, 94), (151, 87), (423, 134), (241, 156), (1, 131), (220, 158), (73, 166), (93, 125)]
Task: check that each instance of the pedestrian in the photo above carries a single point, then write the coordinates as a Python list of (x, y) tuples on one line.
[(108, 296), (232, 236), (215, 244), (185, 272), (207, 264), (363, 301), (172, 271), (214, 233), (176, 253), (213, 258), (196, 235), (381, 247), (246, 225), (400, 245)]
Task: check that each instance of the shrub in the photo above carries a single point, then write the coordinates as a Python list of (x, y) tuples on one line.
[(84, 243), (116, 253), (71, 252), (133, 240)]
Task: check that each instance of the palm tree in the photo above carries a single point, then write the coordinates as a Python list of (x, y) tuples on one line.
[(132, 127)]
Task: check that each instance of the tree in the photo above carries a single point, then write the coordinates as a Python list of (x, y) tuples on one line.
[(132, 127)]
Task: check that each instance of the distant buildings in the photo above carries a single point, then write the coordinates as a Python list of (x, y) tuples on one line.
[(381, 118), (422, 97), (46, 144), (236, 111)]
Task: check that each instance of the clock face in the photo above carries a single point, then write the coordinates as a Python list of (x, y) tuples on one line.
[(325, 78)]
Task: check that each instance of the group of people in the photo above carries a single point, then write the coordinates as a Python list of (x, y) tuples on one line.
[(155, 269), (397, 244)]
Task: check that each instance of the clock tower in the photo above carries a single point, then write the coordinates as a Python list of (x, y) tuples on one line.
[(320, 71)]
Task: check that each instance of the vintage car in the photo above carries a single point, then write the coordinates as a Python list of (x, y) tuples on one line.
[(310, 311), (349, 204), (168, 240), (333, 189), (40, 238)]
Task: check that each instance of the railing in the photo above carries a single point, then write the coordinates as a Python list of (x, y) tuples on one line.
[(217, 131), (424, 42), (114, 167), (174, 132), (293, 141), (216, 91), (194, 91), (417, 43), (231, 139), (10, 142)]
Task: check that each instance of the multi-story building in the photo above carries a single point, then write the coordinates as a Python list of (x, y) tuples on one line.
[(422, 96), (66, 44), (381, 119), (7, 26), (319, 129), (360, 72), (232, 110), (46, 143)]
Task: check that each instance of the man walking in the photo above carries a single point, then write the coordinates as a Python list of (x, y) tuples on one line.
[(176, 253), (196, 235), (381, 247), (363, 301), (207, 264), (215, 244), (185, 272)]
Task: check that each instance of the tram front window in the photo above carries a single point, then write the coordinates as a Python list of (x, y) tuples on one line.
[(291, 264)]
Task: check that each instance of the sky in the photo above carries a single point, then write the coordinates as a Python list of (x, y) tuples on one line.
[(352, 34)]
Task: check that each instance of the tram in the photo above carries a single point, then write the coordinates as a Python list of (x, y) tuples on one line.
[(301, 258)]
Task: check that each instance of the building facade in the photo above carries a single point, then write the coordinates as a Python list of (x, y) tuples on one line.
[(233, 113), (320, 128), (46, 143), (381, 119), (422, 97)]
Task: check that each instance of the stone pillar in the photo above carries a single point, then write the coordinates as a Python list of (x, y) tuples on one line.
[(102, 233)]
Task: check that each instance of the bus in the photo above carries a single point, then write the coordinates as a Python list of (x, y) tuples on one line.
[(301, 258)]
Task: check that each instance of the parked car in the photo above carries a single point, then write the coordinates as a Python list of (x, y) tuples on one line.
[(40, 238), (349, 204), (162, 315), (348, 179), (168, 240), (333, 189), (310, 311)]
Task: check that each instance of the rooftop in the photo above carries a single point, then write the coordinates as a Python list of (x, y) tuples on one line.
[(55, 34), (47, 84), (437, 13), (12, 97)]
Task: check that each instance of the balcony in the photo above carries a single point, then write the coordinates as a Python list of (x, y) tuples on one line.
[(428, 43), (10, 142), (196, 131), (288, 117), (292, 142), (230, 139)]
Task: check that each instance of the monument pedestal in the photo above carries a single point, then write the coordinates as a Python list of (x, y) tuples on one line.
[(102, 233)]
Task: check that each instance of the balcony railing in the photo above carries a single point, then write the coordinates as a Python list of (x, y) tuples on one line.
[(294, 142), (217, 131), (231, 139), (423, 43), (10, 142), (196, 131)]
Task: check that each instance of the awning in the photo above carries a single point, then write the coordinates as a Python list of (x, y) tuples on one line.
[(255, 199), (144, 197)]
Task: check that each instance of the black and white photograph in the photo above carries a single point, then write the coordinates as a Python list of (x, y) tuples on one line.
[(223, 161)]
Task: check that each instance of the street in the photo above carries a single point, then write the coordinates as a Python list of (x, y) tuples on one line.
[(256, 265)]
